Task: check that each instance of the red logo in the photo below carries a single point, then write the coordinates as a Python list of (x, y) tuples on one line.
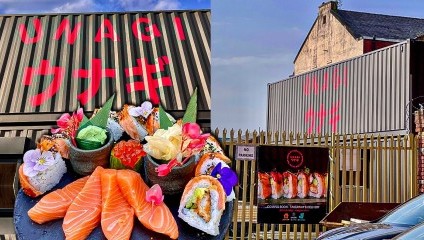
[(286, 216), (295, 159)]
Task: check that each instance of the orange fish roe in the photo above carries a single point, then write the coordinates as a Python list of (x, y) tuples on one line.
[(128, 152)]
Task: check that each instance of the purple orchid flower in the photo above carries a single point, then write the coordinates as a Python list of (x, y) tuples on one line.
[(226, 176), (144, 110), (35, 161)]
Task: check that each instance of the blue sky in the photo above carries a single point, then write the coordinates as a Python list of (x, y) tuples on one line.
[(67, 6), (254, 42)]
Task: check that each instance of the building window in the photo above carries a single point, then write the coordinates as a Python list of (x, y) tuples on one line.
[(324, 19)]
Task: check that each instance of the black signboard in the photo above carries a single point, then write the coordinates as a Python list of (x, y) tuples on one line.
[(292, 184)]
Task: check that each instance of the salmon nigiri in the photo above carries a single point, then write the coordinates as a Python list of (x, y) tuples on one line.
[(83, 214), (117, 217), (157, 218), (55, 204)]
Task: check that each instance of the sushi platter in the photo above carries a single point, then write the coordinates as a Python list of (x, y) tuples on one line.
[(26, 229), (134, 174)]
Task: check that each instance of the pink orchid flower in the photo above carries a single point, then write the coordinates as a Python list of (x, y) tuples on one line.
[(68, 124), (191, 132), (154, 195), (62, 122), (193, 140), (165, 169)]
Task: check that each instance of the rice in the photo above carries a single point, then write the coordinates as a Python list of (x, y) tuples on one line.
[(142, 132), (46, 180), (232, 196), (210, 164), (194, 220), (115, 129)]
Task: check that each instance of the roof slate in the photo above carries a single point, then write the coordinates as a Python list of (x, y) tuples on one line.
[(369, 25)]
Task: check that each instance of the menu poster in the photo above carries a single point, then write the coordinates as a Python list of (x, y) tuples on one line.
[(292, 184)]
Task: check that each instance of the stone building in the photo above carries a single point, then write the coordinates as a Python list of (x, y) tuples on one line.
[(337, 35)]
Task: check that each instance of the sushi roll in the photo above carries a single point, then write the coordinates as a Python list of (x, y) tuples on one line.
[(113, 127), (264, 185), (212, 146), (316, 185), (276, 184), (202, 204), (302, 185), (130, 124), (151, 122), (40, 172), (56, 143), (289, 185), (207, 163)]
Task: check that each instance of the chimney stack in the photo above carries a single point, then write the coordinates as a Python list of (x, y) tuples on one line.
[(326, 7)]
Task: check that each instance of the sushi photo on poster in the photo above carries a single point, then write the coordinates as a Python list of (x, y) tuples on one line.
[(292, 184)]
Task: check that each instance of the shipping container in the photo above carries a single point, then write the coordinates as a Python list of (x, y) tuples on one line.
[(376, 92), (52, 64)]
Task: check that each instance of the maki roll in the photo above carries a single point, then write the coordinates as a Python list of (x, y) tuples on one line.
[(130, 124), (212, 146), (302, 185), (207, 163), (113, 127), (40, 172), (202, 204), (316, 185), (276, 184), (264, 186), (289, 185), (56, 143)]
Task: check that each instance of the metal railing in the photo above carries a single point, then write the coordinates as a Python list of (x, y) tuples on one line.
[(363, 168)]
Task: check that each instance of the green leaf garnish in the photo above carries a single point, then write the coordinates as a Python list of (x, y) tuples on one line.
[(191, 111), (84, 120), (100, 119), (164, 121)]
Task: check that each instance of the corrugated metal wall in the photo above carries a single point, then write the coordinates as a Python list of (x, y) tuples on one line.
[(366, 94), (110, 52)]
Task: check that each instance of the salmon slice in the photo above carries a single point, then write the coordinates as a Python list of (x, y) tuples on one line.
[(156, 218), (83, 214), (117, 217), (55, 204)]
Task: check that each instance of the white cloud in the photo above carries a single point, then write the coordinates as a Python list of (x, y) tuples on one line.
[(64, 6), (47, 6), (145, 5), (167, 5), (26, 1), (276, 59), (77, 6)]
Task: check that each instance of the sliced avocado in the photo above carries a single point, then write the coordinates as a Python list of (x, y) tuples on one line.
[(189, 205), (198, 194)]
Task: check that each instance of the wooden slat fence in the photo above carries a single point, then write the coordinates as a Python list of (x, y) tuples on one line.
[(363, 168)]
